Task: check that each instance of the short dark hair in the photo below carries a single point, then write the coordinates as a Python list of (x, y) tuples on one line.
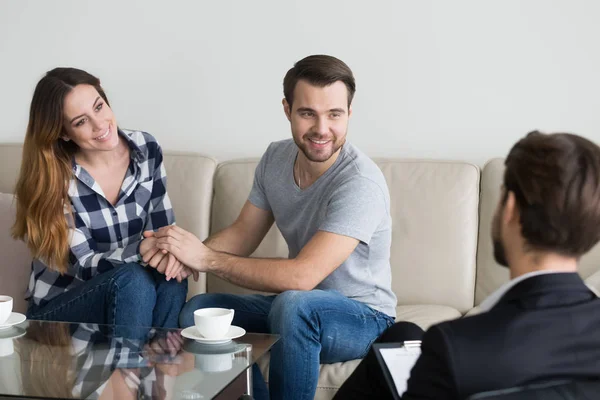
[(556, 182), (318, 70)]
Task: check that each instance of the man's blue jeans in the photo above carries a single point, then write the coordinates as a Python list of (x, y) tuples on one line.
[(315, 326), (128, 295)]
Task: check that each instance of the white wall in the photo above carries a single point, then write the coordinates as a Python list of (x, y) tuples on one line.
[(440, 79)]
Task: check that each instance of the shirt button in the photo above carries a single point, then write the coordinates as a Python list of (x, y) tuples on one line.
[(114, 213), (119, 237)]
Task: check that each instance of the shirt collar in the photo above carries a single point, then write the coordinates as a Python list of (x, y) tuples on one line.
[(136, 153), (494, 298)]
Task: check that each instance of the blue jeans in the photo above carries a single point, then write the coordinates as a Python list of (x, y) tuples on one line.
[(315, 327), (127, 295)]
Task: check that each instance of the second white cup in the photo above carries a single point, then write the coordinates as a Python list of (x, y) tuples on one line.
[(213, 323), (6, 306)]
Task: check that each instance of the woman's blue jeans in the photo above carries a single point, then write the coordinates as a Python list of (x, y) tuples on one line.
[(128, 295)]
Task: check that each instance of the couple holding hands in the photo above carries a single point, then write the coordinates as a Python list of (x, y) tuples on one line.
[(93, 207)]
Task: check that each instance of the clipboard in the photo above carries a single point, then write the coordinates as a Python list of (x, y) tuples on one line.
[(396, 361)]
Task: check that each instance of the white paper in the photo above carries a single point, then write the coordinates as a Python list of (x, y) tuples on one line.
[(400, 361)]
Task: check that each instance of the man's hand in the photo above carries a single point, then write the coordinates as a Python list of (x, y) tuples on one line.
[(185, 246)]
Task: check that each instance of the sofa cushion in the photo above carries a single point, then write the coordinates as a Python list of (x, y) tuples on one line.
[(10, 164), (434, 231), (16, 258), (232, 184), (426, 315), (190, 188), (331, 376), (490, 275)]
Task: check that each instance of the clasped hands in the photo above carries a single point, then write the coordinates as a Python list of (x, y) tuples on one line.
[(174, 252)]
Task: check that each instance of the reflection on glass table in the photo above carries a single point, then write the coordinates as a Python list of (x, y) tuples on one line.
[(69, 360)]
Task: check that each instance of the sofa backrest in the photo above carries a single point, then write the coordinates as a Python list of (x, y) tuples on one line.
[(10, 164), (436, 244), (232, 184), (16, 258), (190, 188), (434, 206), (190, 180), (490, 275)]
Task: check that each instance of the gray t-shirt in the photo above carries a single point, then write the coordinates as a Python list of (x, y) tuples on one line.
[(352, 199)]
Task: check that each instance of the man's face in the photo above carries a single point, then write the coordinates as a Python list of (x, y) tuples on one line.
[(319, 119), (499, 248)]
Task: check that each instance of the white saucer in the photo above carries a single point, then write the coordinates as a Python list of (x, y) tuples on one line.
[(12, 333), (14, 319), (234, 332)]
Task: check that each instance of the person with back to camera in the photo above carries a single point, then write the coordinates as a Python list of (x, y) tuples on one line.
[(544, 324)]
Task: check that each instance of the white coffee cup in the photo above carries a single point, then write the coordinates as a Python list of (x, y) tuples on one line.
[(6, 305), (213, 323)]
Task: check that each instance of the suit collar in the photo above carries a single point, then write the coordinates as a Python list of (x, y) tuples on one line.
[(538, 284), (563, 283), (495, 297)]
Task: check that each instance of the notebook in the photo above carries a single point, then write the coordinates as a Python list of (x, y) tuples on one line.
[(396, 361)]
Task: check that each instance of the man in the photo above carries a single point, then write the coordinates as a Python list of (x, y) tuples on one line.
[(332, 205), (544, 324)]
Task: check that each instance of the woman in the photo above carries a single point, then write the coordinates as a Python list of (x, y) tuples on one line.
[(86, 192)]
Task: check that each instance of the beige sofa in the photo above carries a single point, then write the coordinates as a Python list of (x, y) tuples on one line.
[(441, 255)]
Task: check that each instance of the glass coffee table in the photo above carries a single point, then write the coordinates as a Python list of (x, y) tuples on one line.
[(40, 359)]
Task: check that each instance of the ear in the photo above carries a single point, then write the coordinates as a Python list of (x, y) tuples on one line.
[(350, 111), (510, 213), (287, 109), (65, 138)]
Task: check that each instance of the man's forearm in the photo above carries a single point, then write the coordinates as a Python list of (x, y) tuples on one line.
[(265, 274), (229, 240)]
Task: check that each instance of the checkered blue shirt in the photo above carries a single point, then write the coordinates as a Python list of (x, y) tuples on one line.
[(105, 235)]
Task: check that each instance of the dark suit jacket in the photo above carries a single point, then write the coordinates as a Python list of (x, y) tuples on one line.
[(546, 327)]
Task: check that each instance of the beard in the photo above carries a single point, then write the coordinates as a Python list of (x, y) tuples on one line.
[(319, 155), (500, 253), (499, 250)]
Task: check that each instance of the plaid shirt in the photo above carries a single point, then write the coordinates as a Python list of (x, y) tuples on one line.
[(105, 235)]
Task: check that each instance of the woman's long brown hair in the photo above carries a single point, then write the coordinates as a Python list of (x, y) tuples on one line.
[(47, 360), (42, 188)]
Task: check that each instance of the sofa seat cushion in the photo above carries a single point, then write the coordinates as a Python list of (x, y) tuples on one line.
[(426, 315), (331, 376)]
